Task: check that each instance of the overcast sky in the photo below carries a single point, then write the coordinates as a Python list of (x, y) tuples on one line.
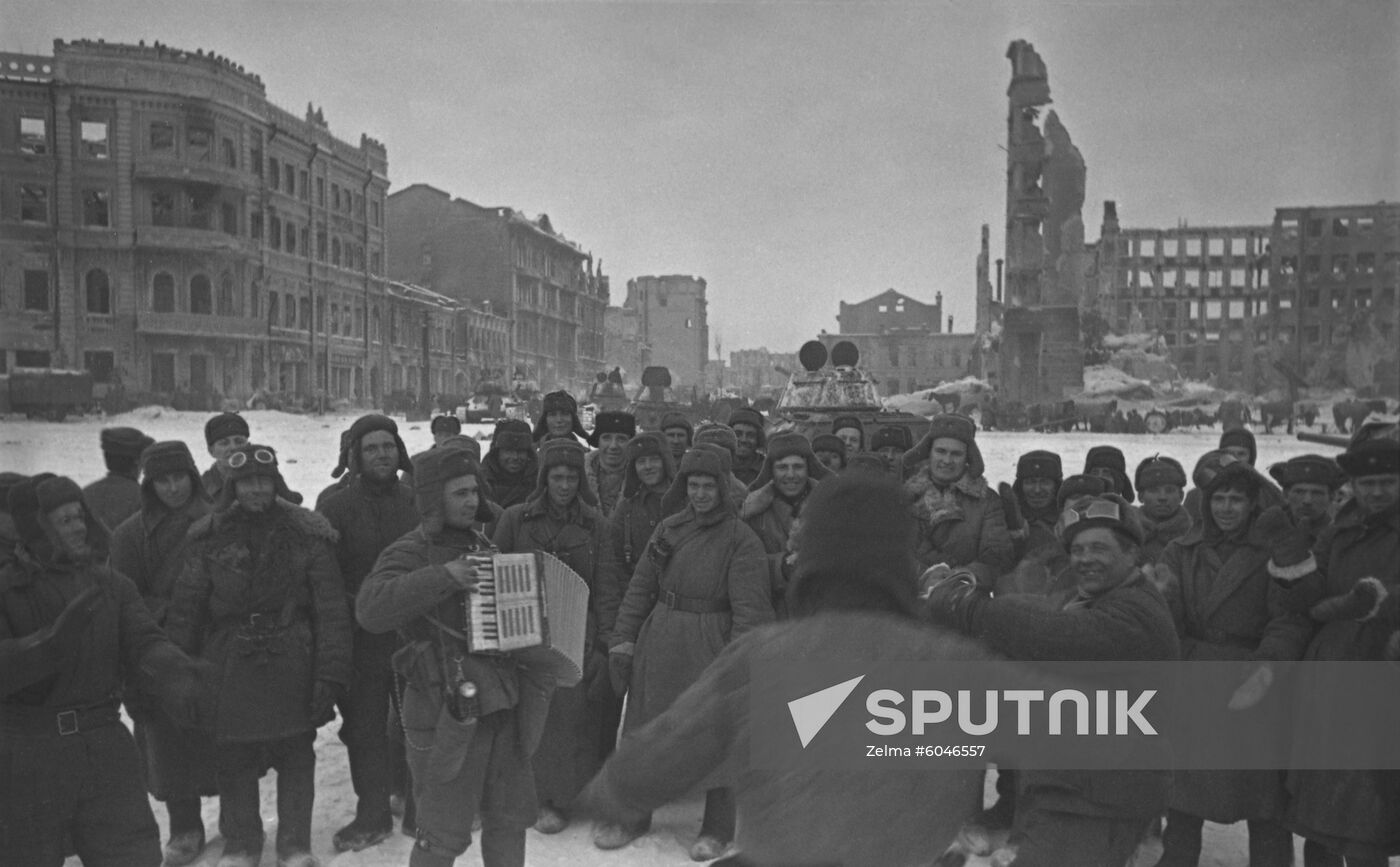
[(796, 154)]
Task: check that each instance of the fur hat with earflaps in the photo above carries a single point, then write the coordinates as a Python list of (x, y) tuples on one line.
[(1111, 458), (678, 419), (698, 461), (612, 422), (1307, 470), (168, 458), (651, 443), (30, 503), (225, 424), (512, 434), (1080, 487), (564, 453), (749, 416), (363, 427), (1159, 470), (1107, 510), (841, 422), (855, 545), (1243, 437), (949, 425), (786, 445), (123, 442), (252, 460), (559, 401), (721, 435), (432, 470)]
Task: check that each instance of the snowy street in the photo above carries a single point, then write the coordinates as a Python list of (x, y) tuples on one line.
[(307, 447)]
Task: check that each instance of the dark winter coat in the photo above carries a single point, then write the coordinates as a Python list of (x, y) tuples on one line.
[(149, 548), (569, 752), (410, 591), (713, 558), (367, 517), (213, 481), (1351, 811), (1226, 607), (1131, 622), (771, 518), (122, 645), (113, 498), (962, 526), (818, 816), (1038, 551), (280, 566), (631, 526), (747, 469), (1163, 532), (506, 489)]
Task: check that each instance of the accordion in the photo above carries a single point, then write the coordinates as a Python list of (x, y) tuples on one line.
[(531, 606)]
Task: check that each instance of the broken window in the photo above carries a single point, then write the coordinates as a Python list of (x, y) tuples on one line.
[(1212, 335), (1288, 265), (1169, 339), (201, 295), (31, 358), (1361, 298), (162, 135), (1338, 300), (1339, 228), (1235, 310), (99, 291), (199, 141), (1285, 302), (1239, 247), (274, 173), (33, 203), (1193, 248), (93, 134), (1365, 263), (1217, 247), (1341, 264), (1314, 228), (1237, 276), (1213, 309), (1261, 307), (1169, 248), (1288, 229), (1312, 265), (163, 293), (1169, 279), (1215, 278), (289, 179), (96, 208), (1144, 278), (1365, 225), (1193, 310), (229, 153), (36, 289), (1263, 278), (33, 136), (1147, 247), (1190, 279)]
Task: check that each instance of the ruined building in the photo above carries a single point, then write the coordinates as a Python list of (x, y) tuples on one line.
[(545, 284), (1046, 262), (902, 342), (673, 321)]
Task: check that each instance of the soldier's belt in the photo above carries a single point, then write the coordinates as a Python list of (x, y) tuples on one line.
[(24, 720)]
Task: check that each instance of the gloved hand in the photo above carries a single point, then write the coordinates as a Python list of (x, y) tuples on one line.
[(1010, 507), (68, 631), (1361, 602), (1289, 543), (181, 691), (1253, 689), (953, 602), (323, 698), (620, 667)]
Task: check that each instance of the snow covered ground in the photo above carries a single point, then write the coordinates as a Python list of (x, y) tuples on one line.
[(307, 447)]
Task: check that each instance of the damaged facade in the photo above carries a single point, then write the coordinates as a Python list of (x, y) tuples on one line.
[(902, 342), (167, 227), (672, 318), (1046, 264)]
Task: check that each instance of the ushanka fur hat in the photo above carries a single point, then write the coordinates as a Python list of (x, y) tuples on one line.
[(698, 461), (841, 422), (258, 460), (361, 428), (786, 445), (1078, 487), (124, 442), (512, 434), (1159, 470), (1111, 458), (678, 419), (564, 453), (1376, 457), (1307, 470), (559, 401), (649, 444), (1126, 520), (168, 458), (30, 503), (855, 548), (225, 424), (612, 423), (752, 417), (431, 472), (721, 435), (948, 425), (1240, 437)]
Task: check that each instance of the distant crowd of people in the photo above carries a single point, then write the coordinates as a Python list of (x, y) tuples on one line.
[(232, 622)]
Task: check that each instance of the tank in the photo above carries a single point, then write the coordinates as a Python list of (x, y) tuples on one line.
[(655, 398), (822, 392)]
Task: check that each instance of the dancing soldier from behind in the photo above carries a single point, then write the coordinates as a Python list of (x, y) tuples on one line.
[(702, 582), (471, 721), (149, 548), (261, 598), (373, 510), (852, 599), (117, 495), (72, 632)]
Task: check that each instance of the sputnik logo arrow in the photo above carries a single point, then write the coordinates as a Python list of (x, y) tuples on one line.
[(812, 711)]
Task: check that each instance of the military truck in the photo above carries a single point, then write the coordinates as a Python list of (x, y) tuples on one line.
[(41, 392), (818, 394)]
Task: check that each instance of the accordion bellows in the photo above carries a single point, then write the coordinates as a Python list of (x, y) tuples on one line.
[(531, 606)]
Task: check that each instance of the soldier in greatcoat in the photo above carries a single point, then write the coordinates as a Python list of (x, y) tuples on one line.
[(261, 598)]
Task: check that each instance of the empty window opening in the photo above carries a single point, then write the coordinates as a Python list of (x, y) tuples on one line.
[(162, 135), (93, 134), (99, 292), (96, 208), (201, 296), (33, 136), (33, 203)]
